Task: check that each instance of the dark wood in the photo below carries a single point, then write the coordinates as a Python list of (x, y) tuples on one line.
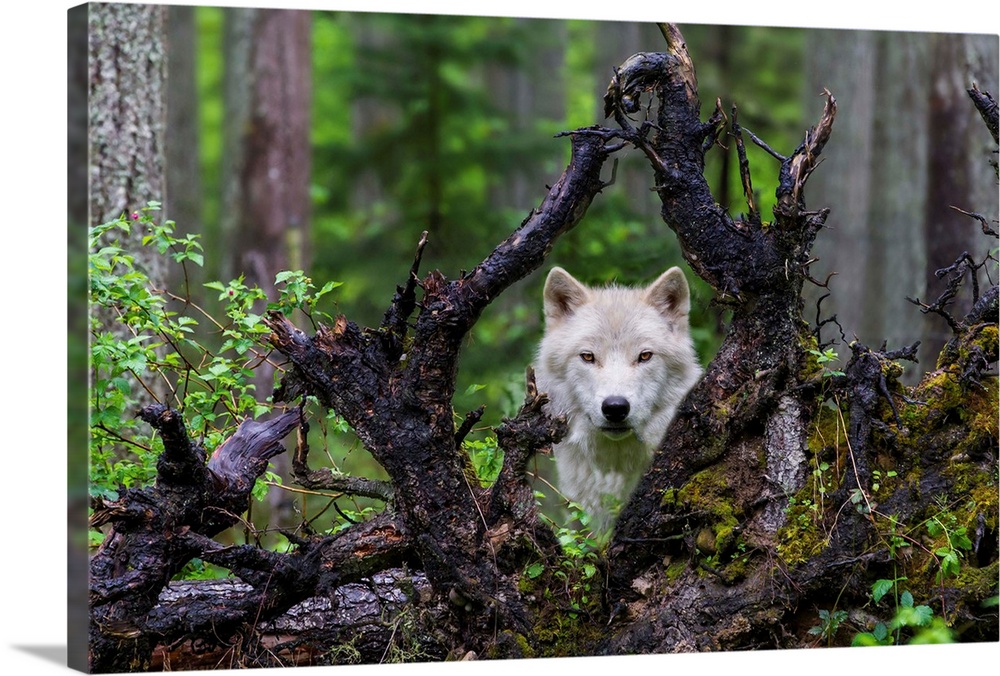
[(157, 530), (703, 556)]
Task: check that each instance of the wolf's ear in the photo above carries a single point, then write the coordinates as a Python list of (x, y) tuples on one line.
[(563, 295), (669, 294)]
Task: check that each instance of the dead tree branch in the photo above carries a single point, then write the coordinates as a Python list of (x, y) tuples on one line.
[(152, 529)]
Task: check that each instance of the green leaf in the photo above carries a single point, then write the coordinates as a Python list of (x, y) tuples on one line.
[(327, 288), (908, 616), (219, 368), (136, 363), (534, 570), (923, 615), (936, 632), (880, 589), (960, 540)]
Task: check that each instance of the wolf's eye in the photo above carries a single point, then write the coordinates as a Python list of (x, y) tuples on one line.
[(587, 357), (645, 356)]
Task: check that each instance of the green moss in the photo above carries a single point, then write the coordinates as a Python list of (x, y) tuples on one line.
[(801, 537), (675, 569), (969, 480), (810, 368), (708, 492), (977, 583), (935, 397), (988, 339), (526, 649), (510, 645), (982, 338), (669, 498), (979, 413), (985, 497), (737, 569), (560, 635)]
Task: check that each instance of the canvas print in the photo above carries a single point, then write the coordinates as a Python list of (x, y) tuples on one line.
[(422, 338)]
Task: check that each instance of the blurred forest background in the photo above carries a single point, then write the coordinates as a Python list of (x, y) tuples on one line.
[(328, 141)]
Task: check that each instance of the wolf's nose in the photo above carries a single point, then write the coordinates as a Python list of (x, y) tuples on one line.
[(615, 409)]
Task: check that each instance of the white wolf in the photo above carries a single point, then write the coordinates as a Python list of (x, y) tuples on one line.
[(617, 362)]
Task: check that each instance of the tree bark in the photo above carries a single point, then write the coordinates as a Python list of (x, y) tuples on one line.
[(127, 108), (160, 529), (740, 447), (719, 548), (127, 117), (266, 184)]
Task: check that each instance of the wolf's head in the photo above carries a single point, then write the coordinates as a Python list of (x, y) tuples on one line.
[(616, 360)]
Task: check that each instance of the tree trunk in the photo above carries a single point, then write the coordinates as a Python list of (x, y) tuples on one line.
[(267, 100), (957, 155), (183, 162), (717, 523), (876, 176), (159, 529), (127, 108), (894, 178), (127, 117), (771, 495), (267, 198)]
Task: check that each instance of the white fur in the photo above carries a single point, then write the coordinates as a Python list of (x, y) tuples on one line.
[(638, 347)]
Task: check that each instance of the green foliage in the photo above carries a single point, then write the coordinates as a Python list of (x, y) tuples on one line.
[(878, 476), (574, 578), (297, 292), (955, 542), (827, 356), (196, 569), (879, 635), (918, 621), (908, 615), (128, 347), (486, 457), (829, 622), (143, 349)]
